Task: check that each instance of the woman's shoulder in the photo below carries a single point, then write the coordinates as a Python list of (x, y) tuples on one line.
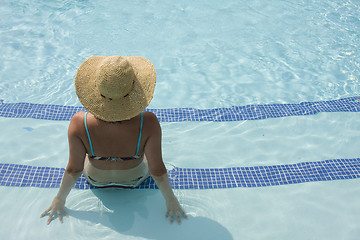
[(78, 117), (77, 122), (151, 123), (150, 118)]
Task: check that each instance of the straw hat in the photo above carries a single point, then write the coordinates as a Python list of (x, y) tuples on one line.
[(115, 88)]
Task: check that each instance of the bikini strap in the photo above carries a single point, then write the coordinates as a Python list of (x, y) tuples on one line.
[(141, 125), (87, 132)]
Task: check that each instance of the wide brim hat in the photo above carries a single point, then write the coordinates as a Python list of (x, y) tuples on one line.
[(115, 88)]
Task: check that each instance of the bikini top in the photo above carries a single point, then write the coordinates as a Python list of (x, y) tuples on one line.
[(136, 156)]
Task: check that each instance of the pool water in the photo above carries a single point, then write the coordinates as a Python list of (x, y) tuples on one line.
[(208, 54)]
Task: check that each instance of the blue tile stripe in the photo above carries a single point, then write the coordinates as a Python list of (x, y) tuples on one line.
[(235, 113), (194, 178)]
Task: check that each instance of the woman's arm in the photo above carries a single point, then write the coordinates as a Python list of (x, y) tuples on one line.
[(73, 170), (158, 171), (172, 204)]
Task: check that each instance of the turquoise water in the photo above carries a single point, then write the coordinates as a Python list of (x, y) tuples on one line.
[(216, 54), (207, 54)]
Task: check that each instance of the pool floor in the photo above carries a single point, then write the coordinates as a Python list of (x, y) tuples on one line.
[(326, 210)]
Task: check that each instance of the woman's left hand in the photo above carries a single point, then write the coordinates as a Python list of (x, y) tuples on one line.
[(58, 206)]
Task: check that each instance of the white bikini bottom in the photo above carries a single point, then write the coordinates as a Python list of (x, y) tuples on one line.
[(129, 178)]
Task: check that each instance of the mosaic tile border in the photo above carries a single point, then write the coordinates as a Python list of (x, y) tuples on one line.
[(193, 178), (235, 113)]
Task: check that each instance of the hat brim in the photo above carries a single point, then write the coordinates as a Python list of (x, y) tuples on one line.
[(124, 108)]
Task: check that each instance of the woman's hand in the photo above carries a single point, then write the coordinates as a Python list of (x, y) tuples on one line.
[(174, 208), (58, 206)]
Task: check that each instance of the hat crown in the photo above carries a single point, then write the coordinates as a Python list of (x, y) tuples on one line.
[(115, 77)]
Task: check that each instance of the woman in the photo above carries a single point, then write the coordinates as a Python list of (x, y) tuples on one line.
[(115, 143)]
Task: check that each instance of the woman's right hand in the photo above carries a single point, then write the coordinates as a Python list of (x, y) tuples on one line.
[(58, 206), (174, 209)]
